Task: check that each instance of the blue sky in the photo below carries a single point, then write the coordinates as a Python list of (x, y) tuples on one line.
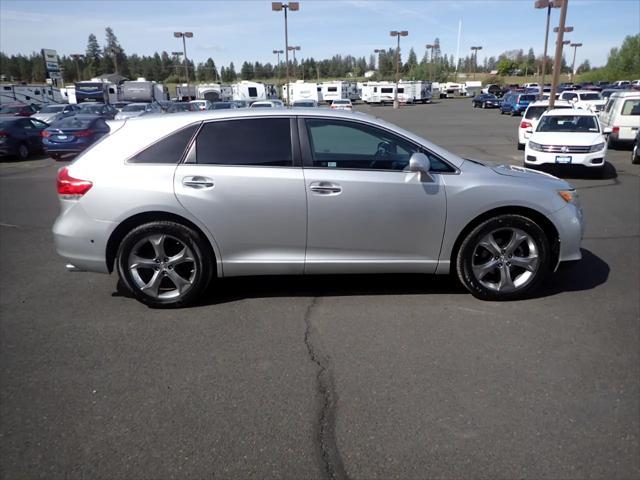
[(238, 30)]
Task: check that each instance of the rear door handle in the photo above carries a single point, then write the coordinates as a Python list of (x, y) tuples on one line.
[(197, 182), (325, 188)]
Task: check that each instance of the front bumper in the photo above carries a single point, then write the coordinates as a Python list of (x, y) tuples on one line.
[(569, 221), (591, 160)]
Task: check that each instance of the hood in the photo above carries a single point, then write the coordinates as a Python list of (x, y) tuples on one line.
[(559, 138), (526, 174)]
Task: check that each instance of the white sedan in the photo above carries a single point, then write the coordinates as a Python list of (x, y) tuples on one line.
[(342, 104), (567, 137)]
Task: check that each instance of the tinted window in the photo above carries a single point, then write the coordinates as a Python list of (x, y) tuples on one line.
[(167, 150), (257, 142), (52, 109), (352, 145), (253, 92), (569, 96), (527, 98), (589, 96)]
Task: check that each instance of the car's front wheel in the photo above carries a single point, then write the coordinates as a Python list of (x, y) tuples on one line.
[(23, 151), (635, 154), (164, 264), (503, 258)]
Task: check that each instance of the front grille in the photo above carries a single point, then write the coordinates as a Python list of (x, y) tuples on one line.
[(565, 148)]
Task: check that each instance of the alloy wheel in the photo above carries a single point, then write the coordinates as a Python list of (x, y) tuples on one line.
[(162, 266), (505, 260)]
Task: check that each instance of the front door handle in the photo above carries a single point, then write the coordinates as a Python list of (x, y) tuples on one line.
[(197, 182), (325, 188)]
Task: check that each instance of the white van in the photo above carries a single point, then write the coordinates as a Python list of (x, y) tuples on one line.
[(622, 115)]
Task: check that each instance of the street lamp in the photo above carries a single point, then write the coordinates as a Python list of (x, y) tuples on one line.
[(398, 34), (294, 7), (78, 56), (558, 56), (432, 47), (295, 68), (278, 52), (378, 51), (475, 62), (176, 56), (548, 5), (115, 52), (184, 36), (573, 65)]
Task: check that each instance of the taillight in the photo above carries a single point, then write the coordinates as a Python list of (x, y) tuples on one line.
[(83, 133), (69, 186), (4, 134), (615, 130), (525, 125), (45, 133)]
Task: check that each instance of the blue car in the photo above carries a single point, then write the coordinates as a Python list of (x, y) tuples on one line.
[(516, 103), (73, 134)]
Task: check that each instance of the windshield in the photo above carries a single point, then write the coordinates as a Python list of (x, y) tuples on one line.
[(8, 109), (91, 108), (134, 108), (52, 109), (589, 96), (73, 122), (568, 124), (527, 98)]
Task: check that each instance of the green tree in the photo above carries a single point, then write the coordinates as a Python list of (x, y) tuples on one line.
[(506, 67), (246, 71)]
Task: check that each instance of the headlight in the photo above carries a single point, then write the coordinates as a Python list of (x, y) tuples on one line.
[(597, 147), (570, 196), (535, 146)]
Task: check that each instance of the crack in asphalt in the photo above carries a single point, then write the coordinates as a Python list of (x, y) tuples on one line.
[(326, 419)]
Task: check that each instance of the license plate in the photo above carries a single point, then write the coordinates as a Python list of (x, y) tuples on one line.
[(563, 159), (62, 137)]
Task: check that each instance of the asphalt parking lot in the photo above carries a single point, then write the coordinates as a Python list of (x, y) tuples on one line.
[(361, 377)]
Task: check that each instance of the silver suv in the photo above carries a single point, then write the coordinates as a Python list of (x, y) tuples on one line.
[(171, 202)]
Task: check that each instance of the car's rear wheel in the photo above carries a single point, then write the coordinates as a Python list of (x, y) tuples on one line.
[(503, 258), (164, 264), (635, 154), (23, 151), (55, 156)]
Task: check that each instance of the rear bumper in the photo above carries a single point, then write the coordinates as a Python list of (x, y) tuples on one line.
[(81, 240)]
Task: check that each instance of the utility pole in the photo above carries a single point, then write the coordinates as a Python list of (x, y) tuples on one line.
[(184, 36), (573, 65), (276, 7), (558, 56), (77, 57)]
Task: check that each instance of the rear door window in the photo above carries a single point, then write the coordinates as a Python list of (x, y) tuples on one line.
[(631, 107), (258, 142), (167, 150)]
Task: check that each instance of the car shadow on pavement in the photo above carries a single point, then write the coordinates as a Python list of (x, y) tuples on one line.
[(585, 274), (608, 171)]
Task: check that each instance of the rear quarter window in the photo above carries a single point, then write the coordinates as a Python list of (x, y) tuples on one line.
[(168, 150), (631, 107)]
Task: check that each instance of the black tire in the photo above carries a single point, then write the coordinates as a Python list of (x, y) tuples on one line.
[(22, 152), (55, 156), (520, 146), (201, 270), (635, 155), (496, 225), (612, 144), (501, 112)]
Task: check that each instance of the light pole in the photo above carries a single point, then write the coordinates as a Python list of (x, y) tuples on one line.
[(78, 56), (278, 52), (398, 34), (176, 56), (432, 47), (295, 68), (276, 7), (573, 65), (548, 5), (378, 51), (114, 51), (475, 59), (184, 36), (558, 57)]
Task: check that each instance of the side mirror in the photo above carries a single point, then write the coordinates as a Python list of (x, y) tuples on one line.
[(419, 162), (607, 130)]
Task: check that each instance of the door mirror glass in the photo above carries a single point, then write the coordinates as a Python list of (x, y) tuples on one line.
[(607, 130), (419, 162)]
